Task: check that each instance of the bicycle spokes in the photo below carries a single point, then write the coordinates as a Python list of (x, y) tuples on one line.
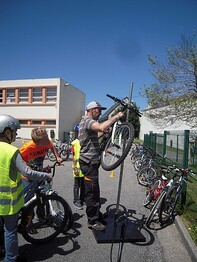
[(117, 146)]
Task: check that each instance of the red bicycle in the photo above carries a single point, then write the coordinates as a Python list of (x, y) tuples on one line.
[(154, 190)]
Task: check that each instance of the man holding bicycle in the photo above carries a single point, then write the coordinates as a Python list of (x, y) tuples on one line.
[(90, 160)]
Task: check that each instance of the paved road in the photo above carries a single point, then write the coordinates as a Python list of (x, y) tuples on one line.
[(80, 244)]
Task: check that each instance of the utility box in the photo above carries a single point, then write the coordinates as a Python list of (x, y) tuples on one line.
[(69, 136), (52, 134)]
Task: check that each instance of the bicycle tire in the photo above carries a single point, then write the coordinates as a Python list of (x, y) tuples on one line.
[(69, 221), (137, 164), (155, 209), (148, 198), (168, 205), (50, 155), (135, 157), (146, 176), (64, 153), (45, 225), (150, 193), (115, 152)]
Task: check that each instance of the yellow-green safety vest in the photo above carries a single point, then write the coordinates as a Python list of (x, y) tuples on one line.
[(75, 143), (11, 188)]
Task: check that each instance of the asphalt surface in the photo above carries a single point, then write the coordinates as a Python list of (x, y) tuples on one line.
[(120, 194)]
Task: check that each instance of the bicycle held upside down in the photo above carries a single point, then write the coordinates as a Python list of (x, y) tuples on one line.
[(116, 144)]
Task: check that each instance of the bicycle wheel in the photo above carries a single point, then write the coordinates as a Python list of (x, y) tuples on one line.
[(134, 157), (150, 193), (155, 209), (43, 220), (69, 221), (117, 147), (168, 205), (65, 152), (50, 155), (137, 164), (148, 198), (146, 176)]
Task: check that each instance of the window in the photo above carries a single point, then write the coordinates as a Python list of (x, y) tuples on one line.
[(10, 96), (50, 122), (51, 94), (23, 122), (23, 95), (36, 122), (1, 95), (37, 95)]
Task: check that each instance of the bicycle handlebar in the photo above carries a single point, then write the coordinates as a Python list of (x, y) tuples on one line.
[(184, 172), (46, 169), (54, 166), (125, 105)]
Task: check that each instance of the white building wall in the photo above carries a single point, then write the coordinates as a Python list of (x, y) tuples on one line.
[(72, 107), (148, 126), (29, 82), (67, 111), (29, 112)]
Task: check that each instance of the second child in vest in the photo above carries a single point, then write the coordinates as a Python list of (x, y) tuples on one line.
[(78, 186)]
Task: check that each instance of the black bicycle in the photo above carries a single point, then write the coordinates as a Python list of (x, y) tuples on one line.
[(116, 145), (173, 196), (45, 214)]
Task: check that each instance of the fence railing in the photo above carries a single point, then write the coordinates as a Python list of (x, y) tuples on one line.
[(178, 146)]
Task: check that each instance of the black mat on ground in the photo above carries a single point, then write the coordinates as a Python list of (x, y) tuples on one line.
[(124, 230)]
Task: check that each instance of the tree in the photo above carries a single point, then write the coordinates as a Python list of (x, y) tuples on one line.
[(135, 121), (133, 117), (174, 95)]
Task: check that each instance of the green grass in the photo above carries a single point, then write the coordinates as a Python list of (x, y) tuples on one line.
[(189, 212)]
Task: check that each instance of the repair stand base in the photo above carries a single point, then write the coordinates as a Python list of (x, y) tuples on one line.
[(113, 232)]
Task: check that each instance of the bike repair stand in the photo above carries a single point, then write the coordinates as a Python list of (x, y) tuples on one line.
[(119, 227)]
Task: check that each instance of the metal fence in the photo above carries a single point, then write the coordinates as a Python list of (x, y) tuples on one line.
[(178, 146)]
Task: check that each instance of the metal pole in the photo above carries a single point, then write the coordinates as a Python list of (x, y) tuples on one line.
[(122, 165), (119, 189), (130, 98)]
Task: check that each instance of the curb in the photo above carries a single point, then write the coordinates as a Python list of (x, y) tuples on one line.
[(187, 240)]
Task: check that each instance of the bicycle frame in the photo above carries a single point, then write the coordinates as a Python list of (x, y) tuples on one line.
[(115, 145), (157, 190), (45, 213), (35, 191)]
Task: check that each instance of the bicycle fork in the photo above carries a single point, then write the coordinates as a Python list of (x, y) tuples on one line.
[(113, 135)]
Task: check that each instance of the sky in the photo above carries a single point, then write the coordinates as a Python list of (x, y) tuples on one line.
[(99, 46)]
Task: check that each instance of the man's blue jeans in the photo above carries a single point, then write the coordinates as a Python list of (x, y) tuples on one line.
[(11, 237)]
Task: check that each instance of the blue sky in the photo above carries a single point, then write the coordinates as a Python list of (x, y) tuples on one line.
[(99, 46)]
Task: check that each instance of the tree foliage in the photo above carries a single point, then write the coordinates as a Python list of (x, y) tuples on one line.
[(173, 97), (133, 118)]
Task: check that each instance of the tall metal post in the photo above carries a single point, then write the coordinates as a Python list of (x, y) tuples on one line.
[(122, 165), (130, 98)]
